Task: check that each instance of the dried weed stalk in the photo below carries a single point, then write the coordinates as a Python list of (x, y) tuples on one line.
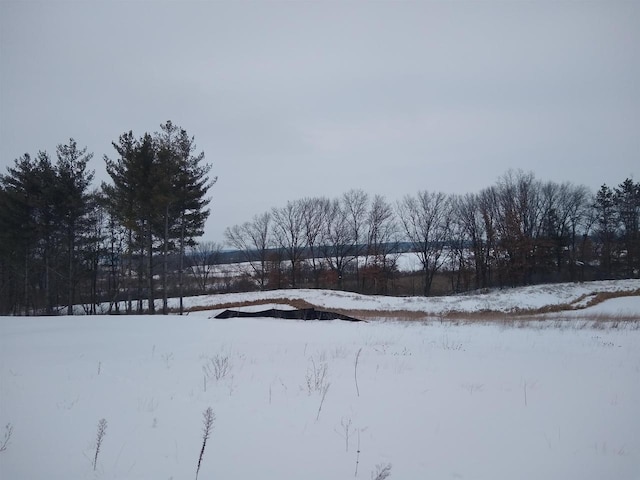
[(381, 472), (355, 370), (102, 428), (207, 424), (317, 377), (8, 430), (324, 394)]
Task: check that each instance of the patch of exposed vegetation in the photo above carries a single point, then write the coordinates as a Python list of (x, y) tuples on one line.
[(520, 314)]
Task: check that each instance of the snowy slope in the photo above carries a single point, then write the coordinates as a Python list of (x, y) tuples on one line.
[(499, 300)]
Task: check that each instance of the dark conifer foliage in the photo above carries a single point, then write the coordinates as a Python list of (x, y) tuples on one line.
[(158, 194), (62, 244), (45, 223), (627, 201), (74, 211)]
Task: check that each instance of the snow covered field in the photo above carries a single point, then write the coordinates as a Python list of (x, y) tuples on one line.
[(434, 400)]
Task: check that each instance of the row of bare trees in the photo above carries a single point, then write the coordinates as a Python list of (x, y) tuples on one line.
[(518, 231)]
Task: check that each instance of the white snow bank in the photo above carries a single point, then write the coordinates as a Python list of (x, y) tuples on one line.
[(615, 307), (498, 300)]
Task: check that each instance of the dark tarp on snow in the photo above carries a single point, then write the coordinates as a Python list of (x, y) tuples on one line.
[(300, 314)]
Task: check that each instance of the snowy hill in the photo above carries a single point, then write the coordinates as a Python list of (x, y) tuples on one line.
[(564, 296)]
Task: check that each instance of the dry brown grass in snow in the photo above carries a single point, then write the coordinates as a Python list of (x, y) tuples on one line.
[(520, 316)]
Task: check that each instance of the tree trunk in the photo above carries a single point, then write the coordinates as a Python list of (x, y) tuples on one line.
[(129, 307), (26, 282), (151, 299), (47, 290), (70, 277), (164, 261), (180, 276)]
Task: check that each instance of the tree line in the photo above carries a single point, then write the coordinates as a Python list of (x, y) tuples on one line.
[(63, 243), (132, 242), (519, 231)]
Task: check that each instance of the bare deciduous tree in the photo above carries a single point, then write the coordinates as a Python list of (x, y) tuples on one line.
[(339, 246), (518, 220), (253, 239), (426, 219), (382, 241), (468, 216), (314, 217), (200, 260), (355, 204), (289, 234)]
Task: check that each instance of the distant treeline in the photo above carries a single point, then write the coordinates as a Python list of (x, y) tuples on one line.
[(519, 231), (133, 241)]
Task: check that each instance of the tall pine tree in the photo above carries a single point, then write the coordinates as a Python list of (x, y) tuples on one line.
[(159, 194), (73, 209)]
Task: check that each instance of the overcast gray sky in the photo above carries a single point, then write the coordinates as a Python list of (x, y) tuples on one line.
[(294, 99)]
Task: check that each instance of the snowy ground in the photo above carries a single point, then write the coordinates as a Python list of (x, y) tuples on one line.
[(434, 400), (571, 295)]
